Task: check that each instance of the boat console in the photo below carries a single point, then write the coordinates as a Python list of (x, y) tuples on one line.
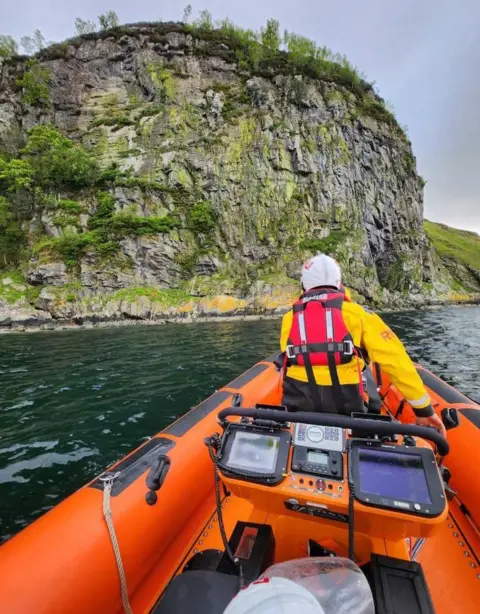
[(285, 464)]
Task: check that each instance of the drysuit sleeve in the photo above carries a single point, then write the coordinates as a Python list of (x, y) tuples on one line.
[(286, 327), (385, 348)]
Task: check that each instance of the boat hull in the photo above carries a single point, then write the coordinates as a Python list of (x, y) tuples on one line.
[(64, 561)]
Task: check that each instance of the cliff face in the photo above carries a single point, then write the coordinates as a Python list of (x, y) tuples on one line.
[(213, 181)]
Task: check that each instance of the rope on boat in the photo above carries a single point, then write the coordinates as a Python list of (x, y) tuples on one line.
[(107, 514)]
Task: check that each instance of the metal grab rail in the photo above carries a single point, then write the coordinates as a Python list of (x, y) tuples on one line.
[(345, 422)]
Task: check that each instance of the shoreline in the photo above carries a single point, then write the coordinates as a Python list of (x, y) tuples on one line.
[(67, 325), (97, 322)]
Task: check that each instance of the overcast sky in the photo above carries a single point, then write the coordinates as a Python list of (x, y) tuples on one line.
[(423, 54)]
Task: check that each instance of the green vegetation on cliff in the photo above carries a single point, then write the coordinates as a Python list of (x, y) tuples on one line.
[(268, 52), (35, 84), (265, 52), (14, 287), (327, 245), (453, 244), (50, 165), (168, 298)]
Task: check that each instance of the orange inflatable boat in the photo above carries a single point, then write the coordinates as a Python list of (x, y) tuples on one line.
[(238, 485)]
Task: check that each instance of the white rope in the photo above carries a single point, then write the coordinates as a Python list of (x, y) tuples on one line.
[(107, 514)]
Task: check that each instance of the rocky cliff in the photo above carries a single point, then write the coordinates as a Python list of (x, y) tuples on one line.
[(154, 171)]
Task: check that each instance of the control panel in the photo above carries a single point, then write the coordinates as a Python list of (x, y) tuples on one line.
[(317, 462), (318, 450), (302, 470)]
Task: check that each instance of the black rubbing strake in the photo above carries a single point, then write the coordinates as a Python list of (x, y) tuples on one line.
[(278, 356), (247, 377), (473, 415), (449, 394), (132, 467), (193, 417)]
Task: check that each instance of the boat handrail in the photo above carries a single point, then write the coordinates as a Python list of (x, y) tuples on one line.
[(346, 422)]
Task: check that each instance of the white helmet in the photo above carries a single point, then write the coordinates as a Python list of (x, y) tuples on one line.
[(321, 270), (274, 596)]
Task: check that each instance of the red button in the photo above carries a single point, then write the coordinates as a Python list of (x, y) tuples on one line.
[(321, 485)]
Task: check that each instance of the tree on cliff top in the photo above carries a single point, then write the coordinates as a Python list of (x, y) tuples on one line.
[(8, 47), (33, 44), (83, 26), (108, 20), (187, 11), (270, 36)]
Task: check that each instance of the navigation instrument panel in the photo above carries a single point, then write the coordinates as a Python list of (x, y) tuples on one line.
[(254, 454), (318, 450), (396, 477)]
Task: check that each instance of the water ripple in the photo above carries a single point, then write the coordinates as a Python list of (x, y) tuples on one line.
[(20, 405), (13, 471)]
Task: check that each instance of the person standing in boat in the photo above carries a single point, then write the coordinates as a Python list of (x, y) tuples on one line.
[(325, 337)]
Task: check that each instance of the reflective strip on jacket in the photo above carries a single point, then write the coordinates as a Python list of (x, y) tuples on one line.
[(370, 332)]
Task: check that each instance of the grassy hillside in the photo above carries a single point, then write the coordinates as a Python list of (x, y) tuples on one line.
[(460, 245)]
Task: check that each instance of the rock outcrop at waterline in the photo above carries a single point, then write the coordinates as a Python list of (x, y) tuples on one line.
[(209, 178)]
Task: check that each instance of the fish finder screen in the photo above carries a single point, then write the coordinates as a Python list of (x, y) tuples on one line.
[(254, 452), (393, 475)]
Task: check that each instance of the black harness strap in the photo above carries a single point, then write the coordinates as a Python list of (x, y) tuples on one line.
[(341, 347), (312, 384), (332, 303), (363, 354), (400, 409), (336, 387)]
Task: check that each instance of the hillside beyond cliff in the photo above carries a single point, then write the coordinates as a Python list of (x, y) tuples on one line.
[(164, 171), (459, 254)]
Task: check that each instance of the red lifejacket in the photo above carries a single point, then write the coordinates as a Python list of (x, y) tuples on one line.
[(318, 331)]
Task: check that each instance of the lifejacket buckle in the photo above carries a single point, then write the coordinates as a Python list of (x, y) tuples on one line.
[(289, 351), (351, 347)]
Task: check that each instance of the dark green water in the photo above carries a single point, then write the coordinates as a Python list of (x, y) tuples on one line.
[(71, 403)]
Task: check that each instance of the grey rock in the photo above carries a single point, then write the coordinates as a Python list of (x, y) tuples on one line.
[(214, 107), (53, 273), (28, 316), (5, 319), (45, 299), (207, 265), (267, 122), (177, 40)]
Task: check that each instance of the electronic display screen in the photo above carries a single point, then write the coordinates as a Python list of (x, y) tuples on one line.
[(393, 475), (253, 452), (319, 458)]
